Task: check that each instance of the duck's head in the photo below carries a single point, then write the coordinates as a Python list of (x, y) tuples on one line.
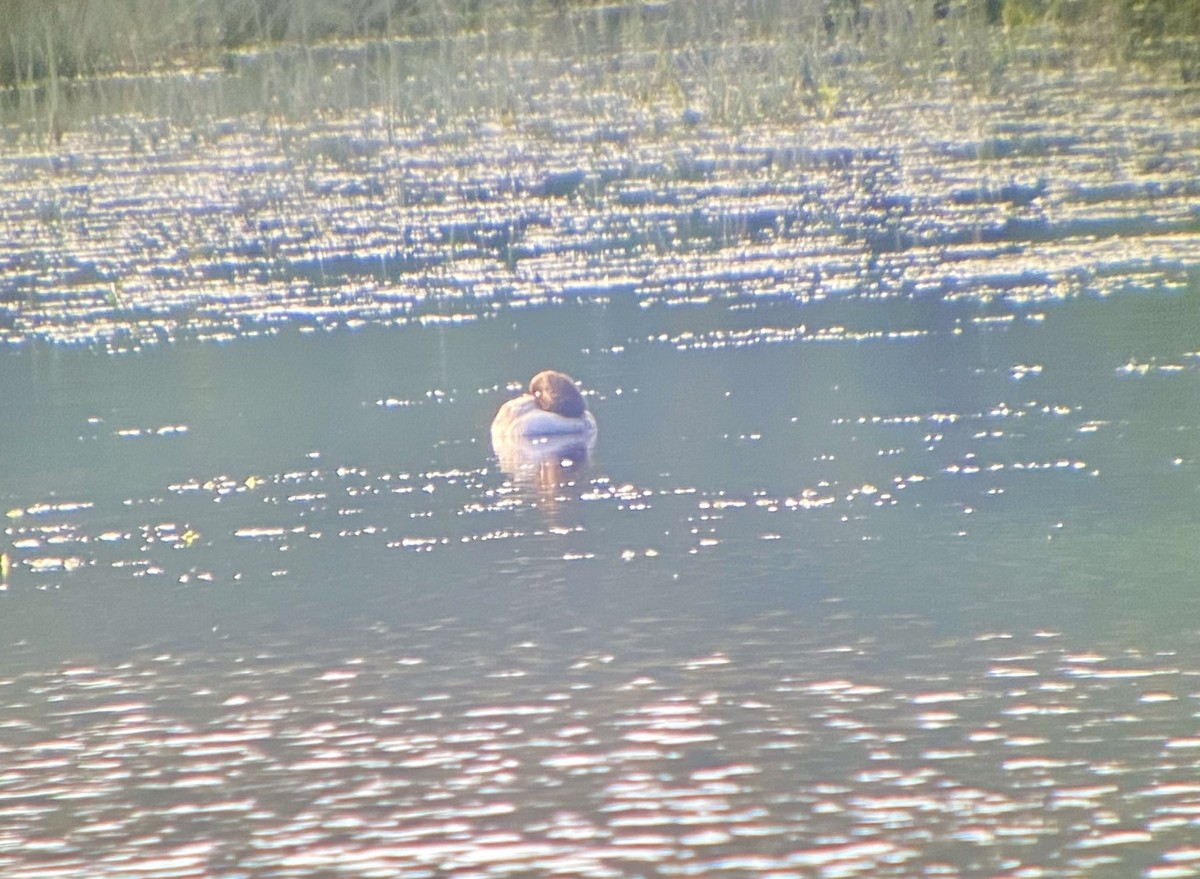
[(556, 392)]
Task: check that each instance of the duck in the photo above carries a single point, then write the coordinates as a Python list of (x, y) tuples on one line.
[(552, 407)]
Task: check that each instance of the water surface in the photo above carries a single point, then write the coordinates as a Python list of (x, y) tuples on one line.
[(884, 561)]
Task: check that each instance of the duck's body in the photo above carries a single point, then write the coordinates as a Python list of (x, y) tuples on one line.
[(552, 407), (522, 417)]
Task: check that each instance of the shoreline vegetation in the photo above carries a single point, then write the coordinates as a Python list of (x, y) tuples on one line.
[(728, 60), (522, 152)]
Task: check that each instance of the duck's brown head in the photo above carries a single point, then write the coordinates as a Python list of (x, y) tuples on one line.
[(556, 392)]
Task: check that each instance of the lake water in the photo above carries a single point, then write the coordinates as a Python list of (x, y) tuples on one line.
[(884, 562)]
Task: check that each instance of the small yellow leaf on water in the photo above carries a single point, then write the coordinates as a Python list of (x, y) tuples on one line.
[(4, 566), (252, 481), (190, 537), (15, 513)]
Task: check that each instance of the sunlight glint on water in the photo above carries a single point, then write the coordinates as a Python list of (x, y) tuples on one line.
[(883, 563)]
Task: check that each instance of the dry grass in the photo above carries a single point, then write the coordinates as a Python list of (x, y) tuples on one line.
[(731, 61)]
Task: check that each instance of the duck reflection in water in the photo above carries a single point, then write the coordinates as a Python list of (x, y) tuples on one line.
[(545, 433)]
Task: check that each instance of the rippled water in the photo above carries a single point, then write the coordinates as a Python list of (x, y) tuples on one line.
[(883, 563), (780, 745)]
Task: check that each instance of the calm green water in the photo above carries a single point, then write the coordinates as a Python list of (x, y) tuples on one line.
[(884, 562)]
